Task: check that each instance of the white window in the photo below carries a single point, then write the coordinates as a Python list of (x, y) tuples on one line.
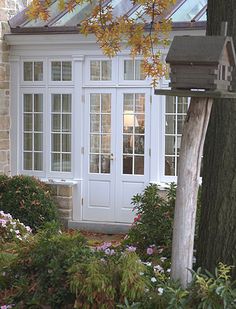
[(33, 131), (133, 70), (100, 70), (176, 109), (61, 71), (61, 131), (32, 71)]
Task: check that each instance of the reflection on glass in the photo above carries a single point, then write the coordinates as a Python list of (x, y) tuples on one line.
[(55, 163), (105, 164), (128, 144), (170, 166), (182, 104), (106, 70), (180, 124), (66, 103), (139, 71), (56, 103), (128, 70), (94, 143), (106, 102), (66, 123), (28, 141), (170, 104), (28, 103), (28, 122), (170, 124), (38, 103), (106, 123), (170, 145), (139, 102), (66, 143), (139, 124), (94, 70), (38, 122), (56, 142), (95, 123), (106, 144), (139, 144), (94, 103), (56, 122), (66, 162)]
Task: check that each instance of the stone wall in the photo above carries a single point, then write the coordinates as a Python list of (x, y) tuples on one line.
[(4, 101)]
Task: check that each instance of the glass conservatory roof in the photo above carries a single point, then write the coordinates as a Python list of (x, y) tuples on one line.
[(183, 11)]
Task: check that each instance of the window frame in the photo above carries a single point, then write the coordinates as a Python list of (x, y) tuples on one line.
[(32, 82), (32, 91), (135, 82), (60, 82), (99, 83), (59, 174)]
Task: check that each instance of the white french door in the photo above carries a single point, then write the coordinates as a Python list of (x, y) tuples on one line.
[(116, 152)]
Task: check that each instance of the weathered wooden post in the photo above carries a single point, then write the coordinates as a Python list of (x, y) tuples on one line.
[(201, 68)]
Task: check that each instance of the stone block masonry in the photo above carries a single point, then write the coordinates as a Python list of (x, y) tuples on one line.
[(4, 98)]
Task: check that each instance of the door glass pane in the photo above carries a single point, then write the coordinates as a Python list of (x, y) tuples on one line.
[(134, 125), (66, 103), (66, 143), (38, 103), (170, 166), (94, 143), (170, 104), (106, 123), (38, 122), (170, 124), (56, 142), (106, 103), (56, 123), (94, 163), (28, 122), (170, 145), (66, 123), (105, 164), (95, 123), (106, 144)]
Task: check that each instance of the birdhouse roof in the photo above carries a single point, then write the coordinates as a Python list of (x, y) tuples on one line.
[(200, 50)]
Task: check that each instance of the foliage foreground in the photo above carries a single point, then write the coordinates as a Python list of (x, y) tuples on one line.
[(58, 270)]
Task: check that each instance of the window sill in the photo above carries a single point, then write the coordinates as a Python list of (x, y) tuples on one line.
[(63, 182)]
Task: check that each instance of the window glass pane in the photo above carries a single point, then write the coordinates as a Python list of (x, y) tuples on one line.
[(170, 104), (56, 142), (138, 165), (66, 142), (28, 122), (105, 164), (128, 69), (56, 103), (56, 123), (170, 145), (139, 72), (28, 103), (28, 71), (66, 103), (139, 103), (56, 162), (106, 102), (170, 124), (182, 105), (38, 122), (38, 161), (170, 166), (106, 70), (128, 144), (27, 161), (66, 123), (127, 165), (66, 162), (28, 141), (94, 70), (56, 70), (38, 141), (139, 124), (38, 103), (128, 102), (180, 124), (38, 71), (128, 123), (66, 71)]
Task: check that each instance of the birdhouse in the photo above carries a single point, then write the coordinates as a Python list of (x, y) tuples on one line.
[(201, 62)]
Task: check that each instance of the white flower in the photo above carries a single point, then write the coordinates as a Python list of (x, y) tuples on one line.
[(17, 232), (153, 279), (163, 258), (147, 263), (160, 291), (158, 268), (141, 273), (168, 270)]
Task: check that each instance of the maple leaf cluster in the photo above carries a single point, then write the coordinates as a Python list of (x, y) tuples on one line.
[(144, 34)]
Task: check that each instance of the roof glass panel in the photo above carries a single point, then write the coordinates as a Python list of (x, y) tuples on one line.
[(53, 12), (204, 17), (74, 17), (121, 7), (188, 10)]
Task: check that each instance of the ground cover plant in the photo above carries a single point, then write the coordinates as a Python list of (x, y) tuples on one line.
[(27, 199)]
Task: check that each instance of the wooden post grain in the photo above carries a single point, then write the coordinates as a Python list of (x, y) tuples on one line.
[(192, 142)]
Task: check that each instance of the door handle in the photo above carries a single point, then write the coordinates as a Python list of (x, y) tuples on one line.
[(112, 156)]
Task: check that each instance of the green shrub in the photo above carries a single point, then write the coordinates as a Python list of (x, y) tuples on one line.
[(154, 220), (27, 199), (102, 282), (38, 275)]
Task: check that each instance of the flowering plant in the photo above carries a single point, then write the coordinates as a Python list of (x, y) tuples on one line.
[(12, 229)]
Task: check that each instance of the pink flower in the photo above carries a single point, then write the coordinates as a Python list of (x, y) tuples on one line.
[(150, 250), (131, 249), (136, 219)]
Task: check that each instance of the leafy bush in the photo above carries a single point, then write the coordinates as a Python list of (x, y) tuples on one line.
[(38, 275), (11, 229), (153, 223), (104, 281), (28, 200)]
